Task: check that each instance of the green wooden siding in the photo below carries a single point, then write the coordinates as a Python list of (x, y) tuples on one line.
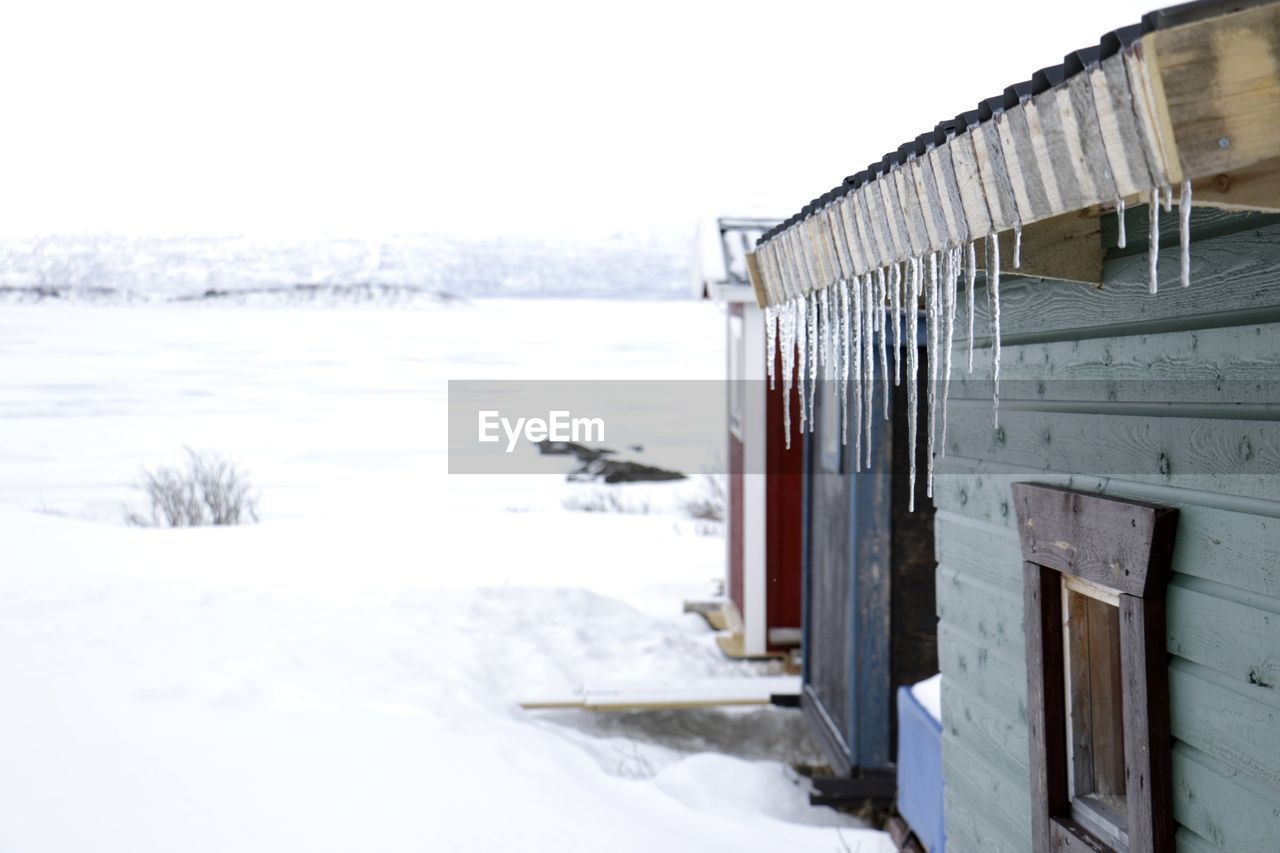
[(1168, 398)]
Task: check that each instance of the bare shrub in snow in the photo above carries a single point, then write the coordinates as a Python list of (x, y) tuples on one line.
[(209, 490), (602, 500), (710, 504)]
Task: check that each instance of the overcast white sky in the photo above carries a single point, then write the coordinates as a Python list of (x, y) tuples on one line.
[(575, 120)]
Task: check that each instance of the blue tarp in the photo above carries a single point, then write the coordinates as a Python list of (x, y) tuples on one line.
[(920, 771)]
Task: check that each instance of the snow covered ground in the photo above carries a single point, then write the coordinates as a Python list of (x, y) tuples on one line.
[(343, 676)]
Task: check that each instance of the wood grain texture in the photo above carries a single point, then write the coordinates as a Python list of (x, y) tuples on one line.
[(997, 680), (972, 548), (964, 162), (909, 203), (1118, 125), (895, 221), (1255, 187), (949, 192), (1221, 805), (1145, 671), (1005, 804), (1235, 457), (1046, 703), (1120, 544), (1237, 724), (988, 730), (989, 614), (1067, 248), (1019, 163), (1217, 79), (1249, 653)]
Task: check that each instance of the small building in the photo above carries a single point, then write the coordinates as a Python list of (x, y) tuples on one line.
[(869, 624), (761, 611), (1096, 254)]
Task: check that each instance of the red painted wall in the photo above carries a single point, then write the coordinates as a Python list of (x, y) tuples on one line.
[(784, 496)]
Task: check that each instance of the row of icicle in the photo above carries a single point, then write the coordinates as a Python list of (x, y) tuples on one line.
[(842, 330)]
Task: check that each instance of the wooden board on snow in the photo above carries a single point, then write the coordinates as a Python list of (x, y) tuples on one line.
[(655, 696)]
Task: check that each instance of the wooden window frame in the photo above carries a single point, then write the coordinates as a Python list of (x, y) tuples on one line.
[(1124, 547)]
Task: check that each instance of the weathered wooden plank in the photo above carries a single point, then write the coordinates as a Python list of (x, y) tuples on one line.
[(1039, 129), (1066, 248), (857, 251), (1118, 124), (1001, 203), (969, 830), (1238, 549), (1020, 165), (1249, 653), (1121, 544), (1219, 804), (869, 199), (1216, 365), (964, 162), (989, 731), (894, 220), (990, 676), (927, 192), (1239, 457), (1235, 280), (991, 614), (949, 195), (1084, 141), (1046, 702), (909, 204), (1145, 691), (828, 654), (1214, 714), (977, 551), (1214, 80), (1255, 187), (1003, 802)]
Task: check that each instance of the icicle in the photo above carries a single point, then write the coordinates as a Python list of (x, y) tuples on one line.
[(993, 293), (895, 293), (970, 274), (1017, 246), (770, 342), (931, 353), (824, 333), (1120, 238), (813, 357), (844, 362), (1153, 247), (881, 294), (802, 353), (1184, 230), (1168, 198), (869, 372), (859, 285), (787, 322), (949, 314), (913, 371)]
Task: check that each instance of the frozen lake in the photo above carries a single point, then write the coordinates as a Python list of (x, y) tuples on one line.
[(343, 676)]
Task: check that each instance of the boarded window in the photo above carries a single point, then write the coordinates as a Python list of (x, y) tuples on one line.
[(1095, 710), (1097, 670)]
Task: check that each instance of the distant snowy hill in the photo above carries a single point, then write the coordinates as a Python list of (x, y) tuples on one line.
[(182, 268)]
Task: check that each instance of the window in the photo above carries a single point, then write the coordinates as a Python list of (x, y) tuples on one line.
[(1097, 670)]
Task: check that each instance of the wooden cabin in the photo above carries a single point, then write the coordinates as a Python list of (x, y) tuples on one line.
[(1106, 477), (760, 613), (869, 625)]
